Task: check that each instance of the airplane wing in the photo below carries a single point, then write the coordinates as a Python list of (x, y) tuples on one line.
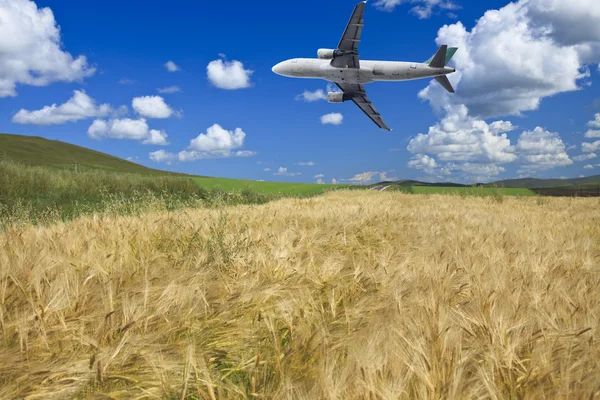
[(359, 97), (348, 45)]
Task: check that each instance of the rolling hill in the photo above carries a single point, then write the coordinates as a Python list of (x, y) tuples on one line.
[(533, 183), (525, 183), (37, 151)]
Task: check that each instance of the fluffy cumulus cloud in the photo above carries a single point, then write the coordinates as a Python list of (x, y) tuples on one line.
[(127, 128), (423, 8), (459, 137), (364, 177), (423, 162), (217, 142), (585, 157), (332, 119), (284, 172), (540, 150), (228, 74), (473, 147), (309, 96), (590, 147), (307, 164), (169, 90), (161, 156), (31, 50), (511, 60), (79, 107), (594, 132), (589, 166), (171, 66), (152, 107), (518, 55)]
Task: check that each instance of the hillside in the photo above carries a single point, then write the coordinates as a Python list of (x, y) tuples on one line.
[(533, 183), (37, 151), (524, 183)]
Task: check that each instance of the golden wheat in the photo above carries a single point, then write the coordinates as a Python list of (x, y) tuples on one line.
[(351, 295)]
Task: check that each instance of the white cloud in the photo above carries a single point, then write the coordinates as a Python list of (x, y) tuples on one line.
[(364, 177), (152, 107), (309, 96), (585, 157), (459, 137), (218, 139), (474, 147), (79, 107), (518, 55), (307, 164), (596, 122), (590, 147), (267, 170), (31, 49), (126, 81), (592, 134), (423, 10), (284, 172), (423, 162), (320, 181), (319, 176), (161, 156), (383, 176), (217, 142), (156, 137), (171, 66), (245, 153), (127, 128), (169, 89), (333, 119), (589, 166), (540, 149), (228, 74), (333, 181)]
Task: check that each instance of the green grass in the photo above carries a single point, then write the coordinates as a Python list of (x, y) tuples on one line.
[(281, 188), (43, 195), (37, 151)]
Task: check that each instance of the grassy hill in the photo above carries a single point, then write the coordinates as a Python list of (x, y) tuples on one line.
[(590, 182), (533, 183), (37, 151)]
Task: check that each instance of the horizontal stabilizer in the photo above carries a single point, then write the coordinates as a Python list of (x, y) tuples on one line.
[(443, 80)]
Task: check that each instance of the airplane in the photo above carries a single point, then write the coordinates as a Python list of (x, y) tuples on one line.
[(343, 67)]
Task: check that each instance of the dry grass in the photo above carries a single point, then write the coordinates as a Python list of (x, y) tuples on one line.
[(352, 295)]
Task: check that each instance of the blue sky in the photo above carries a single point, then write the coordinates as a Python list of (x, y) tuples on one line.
[(524, 104)]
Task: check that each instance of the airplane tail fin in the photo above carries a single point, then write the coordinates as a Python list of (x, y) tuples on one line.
[(442, 57), (443, 80)]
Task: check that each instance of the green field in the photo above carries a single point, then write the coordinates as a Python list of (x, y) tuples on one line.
[(472, 191), (283, 188), (37, 151)]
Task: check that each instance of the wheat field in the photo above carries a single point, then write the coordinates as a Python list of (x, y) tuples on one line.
[(350, 295)]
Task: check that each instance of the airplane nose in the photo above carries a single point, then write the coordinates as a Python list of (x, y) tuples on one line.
[(278, 69)]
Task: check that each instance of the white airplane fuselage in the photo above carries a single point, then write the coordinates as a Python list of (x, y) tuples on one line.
[(369, 71)]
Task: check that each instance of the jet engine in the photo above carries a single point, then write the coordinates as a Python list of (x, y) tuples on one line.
[(326, 54), (338, 97)]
